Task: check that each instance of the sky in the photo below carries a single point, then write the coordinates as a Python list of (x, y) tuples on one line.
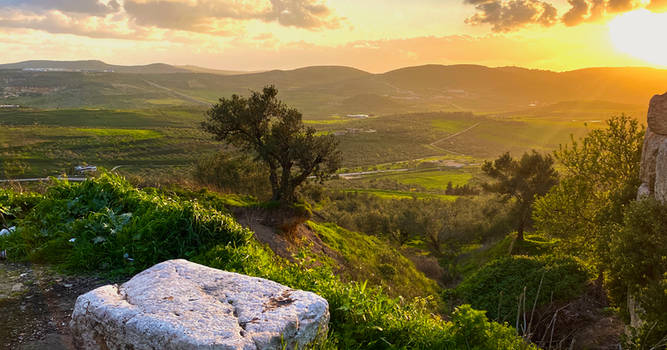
[(373, 35)]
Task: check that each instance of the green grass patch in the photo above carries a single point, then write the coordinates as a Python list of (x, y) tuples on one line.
[(496, 287), (390, 194), (136, 134), (434, 179), (370, 259)]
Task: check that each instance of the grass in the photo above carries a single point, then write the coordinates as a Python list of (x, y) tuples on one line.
[(134, 134), (370, 259), (391, 194), (434, 179), (496, 286)]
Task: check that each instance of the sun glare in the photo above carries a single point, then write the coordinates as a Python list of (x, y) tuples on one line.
[(635, 33)]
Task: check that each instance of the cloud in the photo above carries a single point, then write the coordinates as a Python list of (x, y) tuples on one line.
[(90, 7), (136, 19), (59, 23), (508, 15), (207, 15)]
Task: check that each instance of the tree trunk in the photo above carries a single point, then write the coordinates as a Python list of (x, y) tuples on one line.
[(286, 192), (273, 179), (519, 230)]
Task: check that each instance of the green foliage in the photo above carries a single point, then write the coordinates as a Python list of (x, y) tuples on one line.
[(105, 224), (441, 224), (600, 175), (496, 287), (638, 266), (363, 317), (108, 218), (469, 262), (262, 125), (522, 180), (371, 259)]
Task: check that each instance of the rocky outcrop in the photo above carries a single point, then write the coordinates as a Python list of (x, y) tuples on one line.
[(182, 305), (653, 171)]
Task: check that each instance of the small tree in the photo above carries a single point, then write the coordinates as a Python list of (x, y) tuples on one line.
[(522, 180), (265, 127)]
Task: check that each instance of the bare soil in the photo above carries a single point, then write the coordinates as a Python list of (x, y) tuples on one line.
[(36, 304)]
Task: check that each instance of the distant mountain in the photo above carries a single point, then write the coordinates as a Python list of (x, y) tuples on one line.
[(197, 69), (94, 65), (321, 91)]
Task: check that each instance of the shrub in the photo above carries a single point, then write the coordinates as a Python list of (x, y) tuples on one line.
[(104, 224), (638, 265), (497, 286)]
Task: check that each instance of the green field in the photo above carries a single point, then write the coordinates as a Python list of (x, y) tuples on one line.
[(390, 194), (51, 142)]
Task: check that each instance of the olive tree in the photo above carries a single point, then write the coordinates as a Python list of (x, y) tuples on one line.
[(263, 126)]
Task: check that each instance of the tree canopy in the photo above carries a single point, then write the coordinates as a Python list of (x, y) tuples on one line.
[(522, 180), (600, 176), (274, 133)]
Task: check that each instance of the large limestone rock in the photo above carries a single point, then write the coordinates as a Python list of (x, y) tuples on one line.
[(653, 169), (657, 114), (182, 305)]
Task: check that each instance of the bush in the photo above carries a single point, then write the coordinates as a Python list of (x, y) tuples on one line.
[(638, 265), (104, 224), (496, 287)]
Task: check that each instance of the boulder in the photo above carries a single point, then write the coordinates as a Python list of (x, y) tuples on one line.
[(660, 189), (178, 304), (647, 166), (657, 114)]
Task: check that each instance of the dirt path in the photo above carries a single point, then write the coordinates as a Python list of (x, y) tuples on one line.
[(36, 304), (434, 143), (179, 94)]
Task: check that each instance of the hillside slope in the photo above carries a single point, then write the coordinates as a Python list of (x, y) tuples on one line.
[(323, 91)]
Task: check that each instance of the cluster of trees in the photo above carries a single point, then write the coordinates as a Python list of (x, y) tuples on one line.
[(444, 226), (461, 190)]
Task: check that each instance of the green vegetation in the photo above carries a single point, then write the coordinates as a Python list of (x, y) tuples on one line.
[(274, 134), (368, 258), (72, 223), (500, 285), (521, 180), (594, 213), (390, 194), (600, 176), (638, 268)]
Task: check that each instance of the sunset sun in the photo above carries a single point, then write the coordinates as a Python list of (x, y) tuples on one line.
[(634, 33)]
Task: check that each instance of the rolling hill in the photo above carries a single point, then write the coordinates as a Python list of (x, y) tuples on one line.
[(322, 91)]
